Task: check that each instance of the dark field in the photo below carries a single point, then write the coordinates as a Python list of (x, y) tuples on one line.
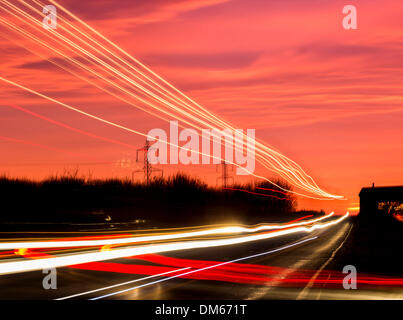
[(178, 200)]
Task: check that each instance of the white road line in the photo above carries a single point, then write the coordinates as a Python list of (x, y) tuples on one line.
[(303, 294), (121, 284), (206, 268)]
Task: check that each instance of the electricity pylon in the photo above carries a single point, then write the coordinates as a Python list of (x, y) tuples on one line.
[(225, 177), (147, 167)]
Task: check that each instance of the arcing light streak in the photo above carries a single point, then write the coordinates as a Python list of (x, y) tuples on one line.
[(176, 98), (200, 108), (135, 131), (93, 57), (270, 158), (132, 240), (76, 74), (62, 261), (207, 268), (42, 31), (109, 81)]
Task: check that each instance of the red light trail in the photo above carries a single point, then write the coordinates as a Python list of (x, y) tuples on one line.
[(34, 144), (60, 124), (227, 272), (256, 193)]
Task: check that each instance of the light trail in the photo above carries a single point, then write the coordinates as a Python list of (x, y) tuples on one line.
[(63, 125), (256, 193), (239, 272), (97, 74), (282, 165), (177, 235), (207, 268), (34, 21), (140, 133), (34, 144), (73, 259), (272, 190), (161, 79), (41, 30), (122, 284)]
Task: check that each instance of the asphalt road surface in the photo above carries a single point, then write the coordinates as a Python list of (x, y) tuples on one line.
[(287, 267)]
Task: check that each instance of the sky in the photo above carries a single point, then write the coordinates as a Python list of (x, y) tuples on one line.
[(328, 98)]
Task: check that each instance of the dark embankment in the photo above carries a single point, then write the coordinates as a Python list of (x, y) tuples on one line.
[(179, 200), (374, 245)]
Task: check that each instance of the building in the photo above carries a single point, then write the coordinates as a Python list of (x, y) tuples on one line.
[(386, 200)]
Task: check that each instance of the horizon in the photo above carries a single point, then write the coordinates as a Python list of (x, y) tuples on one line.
[(326, 97)]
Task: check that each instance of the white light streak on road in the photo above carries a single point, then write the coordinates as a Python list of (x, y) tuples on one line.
[(62, 261), (206, 268), (130, 240)]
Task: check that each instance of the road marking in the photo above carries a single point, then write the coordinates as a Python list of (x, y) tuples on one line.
[(206, 268), (304, 292), (269, 286), (121, 284)]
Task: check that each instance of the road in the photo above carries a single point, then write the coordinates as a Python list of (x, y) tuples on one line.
[(292, 266)]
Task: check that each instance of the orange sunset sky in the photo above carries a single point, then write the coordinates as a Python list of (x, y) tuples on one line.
[(328, 98)]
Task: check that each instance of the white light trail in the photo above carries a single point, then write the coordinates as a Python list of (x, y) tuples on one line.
[(176, 235), (149, 88), (65, 105), (62, 261), (122, 284), (206, 268)]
